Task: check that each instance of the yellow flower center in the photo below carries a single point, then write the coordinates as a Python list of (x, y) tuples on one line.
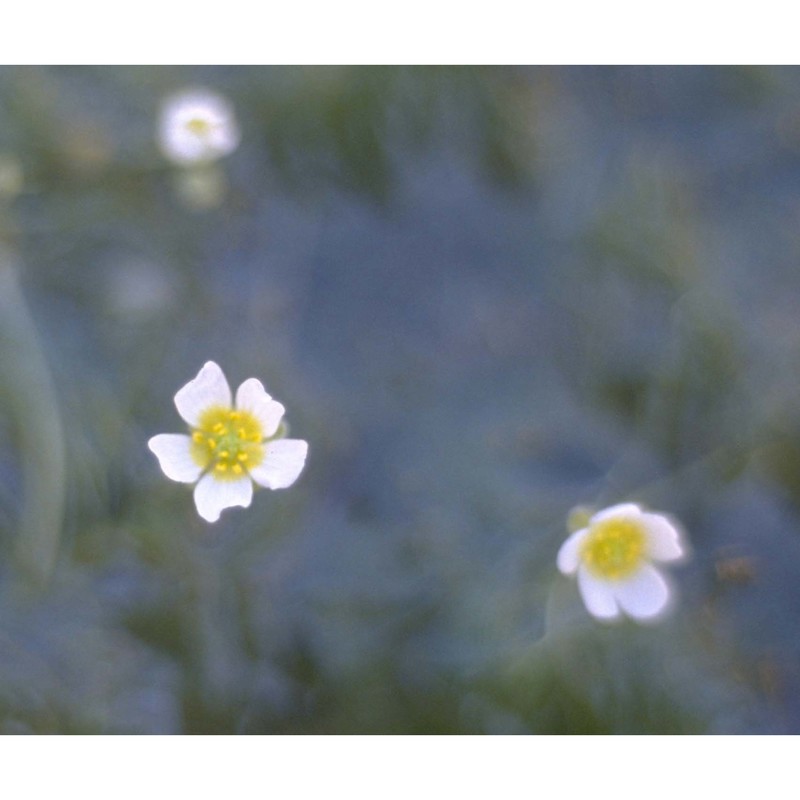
[(228, 442), (198, 126), (614, 548)]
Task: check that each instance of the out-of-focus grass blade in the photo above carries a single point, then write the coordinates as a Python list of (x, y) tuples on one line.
[(30, 396)]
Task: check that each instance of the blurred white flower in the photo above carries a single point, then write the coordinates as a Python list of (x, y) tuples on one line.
[(230, 445), (612, 556), (197, 126)]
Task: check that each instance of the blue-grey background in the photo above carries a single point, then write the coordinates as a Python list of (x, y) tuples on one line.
[(485, 296)]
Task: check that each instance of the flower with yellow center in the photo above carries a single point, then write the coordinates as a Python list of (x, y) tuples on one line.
[(230, 444), (197, 126), (613, 555)]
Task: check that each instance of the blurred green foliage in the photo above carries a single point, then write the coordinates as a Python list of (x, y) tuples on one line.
[(485, 295)]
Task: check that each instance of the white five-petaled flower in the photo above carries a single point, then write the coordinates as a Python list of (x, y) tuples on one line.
[(197, 126), (230, 444), (612, 556)]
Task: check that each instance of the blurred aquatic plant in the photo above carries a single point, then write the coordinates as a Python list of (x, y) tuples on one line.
[(349, 126), (468, 362), (12, 178), (28, 391), (612, 680)]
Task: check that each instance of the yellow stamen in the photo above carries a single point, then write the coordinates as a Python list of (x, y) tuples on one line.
[(223, 448), (614, 548), (198, 126)]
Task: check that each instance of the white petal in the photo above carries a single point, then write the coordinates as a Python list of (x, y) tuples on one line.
[(173, 451), (663, 538), (621, 510), (251, 396), (283, 462), (569, 554), (209, 388), (211, 496), (643, 595), (597, 595)]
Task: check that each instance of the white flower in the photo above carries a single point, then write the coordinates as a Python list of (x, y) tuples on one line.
[(197, 126), (612, 556), (231, 444)]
